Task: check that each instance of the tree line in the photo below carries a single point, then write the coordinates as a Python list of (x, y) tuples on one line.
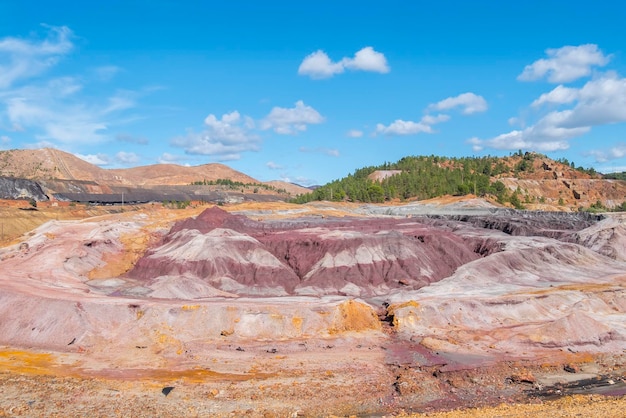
[(425, 177)]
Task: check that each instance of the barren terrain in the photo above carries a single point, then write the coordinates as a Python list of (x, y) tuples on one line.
[(312, 310)]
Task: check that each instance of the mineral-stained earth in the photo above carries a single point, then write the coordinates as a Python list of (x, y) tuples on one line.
[(311, 311)]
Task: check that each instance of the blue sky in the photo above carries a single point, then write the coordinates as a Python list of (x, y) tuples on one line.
[(308, 91)]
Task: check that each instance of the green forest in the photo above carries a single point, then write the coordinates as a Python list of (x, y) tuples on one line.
[(425, 177)]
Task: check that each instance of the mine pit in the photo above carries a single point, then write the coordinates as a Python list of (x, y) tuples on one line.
[(362, 314)]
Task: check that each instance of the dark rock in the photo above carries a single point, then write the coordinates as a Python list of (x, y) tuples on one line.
[(524, 376), (13, 188), (167, 389)]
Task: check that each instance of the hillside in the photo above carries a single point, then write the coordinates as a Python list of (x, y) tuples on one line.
[(59, 172), (177, 175), (523, 181), (49, 164), (52, 164)]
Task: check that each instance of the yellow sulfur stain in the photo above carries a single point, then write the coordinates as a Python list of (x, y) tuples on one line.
[(354, 316), (297, 322), (16, 361)]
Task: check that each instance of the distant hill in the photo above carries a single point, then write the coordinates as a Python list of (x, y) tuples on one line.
[(62, 173), (522, 180), (51, 164), (291, 188), (177, 175)]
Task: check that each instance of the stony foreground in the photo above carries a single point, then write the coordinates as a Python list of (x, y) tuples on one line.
[(372, 310)]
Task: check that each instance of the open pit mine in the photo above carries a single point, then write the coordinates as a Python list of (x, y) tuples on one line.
[(311, 311)]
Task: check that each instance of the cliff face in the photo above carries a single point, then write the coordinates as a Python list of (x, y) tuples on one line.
[(12, 188)]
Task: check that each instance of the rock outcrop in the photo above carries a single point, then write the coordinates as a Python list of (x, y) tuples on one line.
[(14, 188)]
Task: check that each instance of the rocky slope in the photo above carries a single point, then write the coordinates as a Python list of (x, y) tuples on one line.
[(357, 258), (12, 188)]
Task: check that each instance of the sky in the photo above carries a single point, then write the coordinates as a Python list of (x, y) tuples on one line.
[(309, 91)]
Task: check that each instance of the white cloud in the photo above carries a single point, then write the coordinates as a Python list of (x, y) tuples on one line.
[(469, 102), (600, 101), (167, 158), (223, 138), (548, 134), (23, 59), (273, 166), (319, 65), (367, 59), (614, 153), (4, 140), (127, 157), (355, 133), (54, 113), (560, 95), (299, 180), (565, 64), (52, 110), (320, 150), (402, 127), (612, 169), (122, 100), (291, 121), (95, 159), (514, 121)]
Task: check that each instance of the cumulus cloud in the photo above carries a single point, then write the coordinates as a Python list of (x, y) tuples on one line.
[(95, 159), (127, 158), (355, 133), (468, 102), (548, 134), (560, 95), (613, 153), (289, 121), (599, 101), (402, 127), (321, 150), (223, 138), (319, 65), (565, 64)]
